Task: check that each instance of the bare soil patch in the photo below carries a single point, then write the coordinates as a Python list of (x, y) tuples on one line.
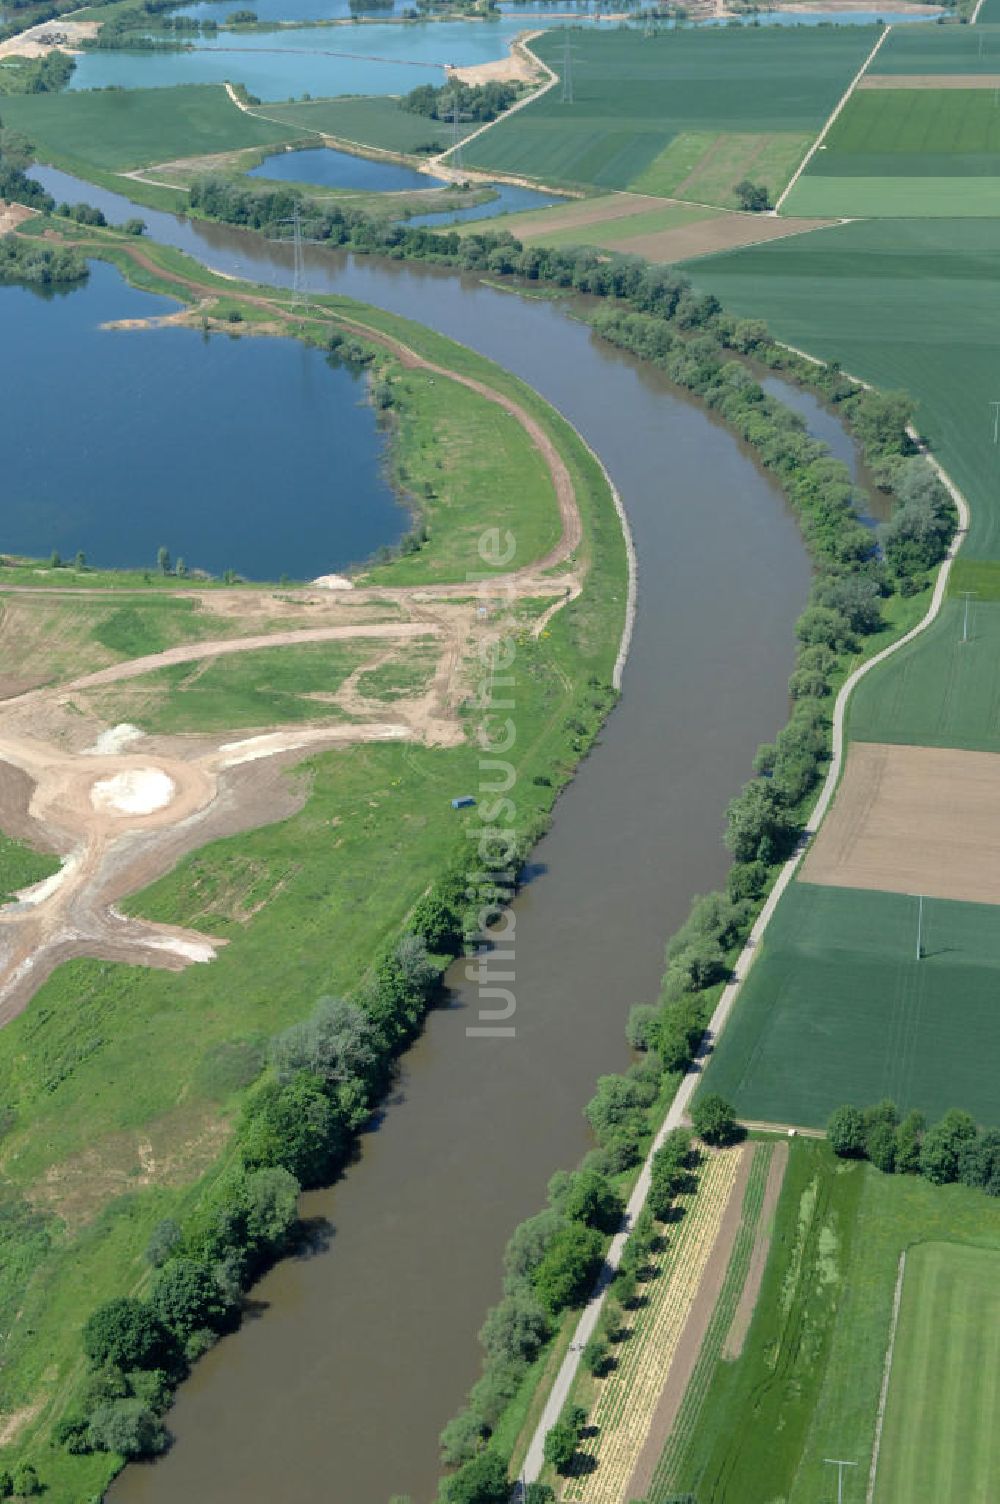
[(49, 36), (12, 215), (913, 820), (685, 1356), (742, 1316), (585, 212), (721, 232), (930, 81)]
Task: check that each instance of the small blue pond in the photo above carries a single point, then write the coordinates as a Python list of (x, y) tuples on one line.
[(509, 200), (340, 169)]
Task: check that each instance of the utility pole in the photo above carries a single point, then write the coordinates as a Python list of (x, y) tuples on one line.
[(567, 73), (456, 151), (920, 955), (967, 596), (839, 1464)]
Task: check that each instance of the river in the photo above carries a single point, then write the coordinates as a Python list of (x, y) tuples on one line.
[(337, 1392)]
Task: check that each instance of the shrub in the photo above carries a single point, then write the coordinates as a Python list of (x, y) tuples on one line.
[(943, 1145), (126, 1334), (162, 1242), (293, 1126), (909, 1136), (567, 1272), (515, 1329), (185, 1297), (128, 1428), (714, 1120), (462, 1438), (481, 1481), (845, 1132), (640, 1030)]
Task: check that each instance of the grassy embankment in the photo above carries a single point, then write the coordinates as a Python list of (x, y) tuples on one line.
[(78, 1109), (104, 134), (807, 1383)]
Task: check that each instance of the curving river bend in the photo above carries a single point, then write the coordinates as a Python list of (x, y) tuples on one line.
[(362, 1352)]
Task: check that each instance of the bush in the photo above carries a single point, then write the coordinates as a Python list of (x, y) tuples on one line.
[(163, 1240), (909, 1136), (126, 1334), (515, 1330), (481, 1481), (943, 1145), (295, 1127), (185, 1297), (462, 1438), (845, 1132), (25, 1482), (128, 1428), (640, 1030), (596, 1355), (616, 1107), (590, 1198), (566, 1273), (714, 1120), (979, 1162)]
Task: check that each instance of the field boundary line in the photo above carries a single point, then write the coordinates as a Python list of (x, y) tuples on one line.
[(887, 1371), (677, 1110), (836, 111), (520, 42)]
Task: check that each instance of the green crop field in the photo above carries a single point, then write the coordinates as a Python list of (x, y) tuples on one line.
[(806, 1386), (939, 49), (989, 15), (375, 120), (634, 95), (942, 1422), (938, 691), (906, 304), (907, 152), (116, 129), (837, 1008)]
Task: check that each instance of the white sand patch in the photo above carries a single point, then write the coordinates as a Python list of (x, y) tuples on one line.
[(232, 754), (139, 791), (115, 740), (333, 582), (40, 892), (200, 951)]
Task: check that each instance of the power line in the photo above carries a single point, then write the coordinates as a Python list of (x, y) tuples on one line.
[(567, 73), (839, 1464)]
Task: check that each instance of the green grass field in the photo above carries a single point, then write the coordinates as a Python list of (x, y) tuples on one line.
[(116, 129), (633, 95), (375, 120), (20, 866), (941, 1438), (608, 234), (907, 152), (906, 304), (938, 691), (705, 165), (989, 15), (920, 49), (837, 1008), (806, 1385)]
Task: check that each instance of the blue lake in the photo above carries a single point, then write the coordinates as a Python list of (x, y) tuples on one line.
[(320, 60), (341, 169), (246, 454)]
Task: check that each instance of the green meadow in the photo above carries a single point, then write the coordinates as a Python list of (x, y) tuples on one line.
[(633, 95), (910, 305), (837, 1008), (919, 49), (117, 129), (806, 1385), (937, 691), (907, 152), (941, 1438)]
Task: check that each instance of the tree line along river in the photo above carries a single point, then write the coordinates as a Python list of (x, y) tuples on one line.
[(362, 1351)]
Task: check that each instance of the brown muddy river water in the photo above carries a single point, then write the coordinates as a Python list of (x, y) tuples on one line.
[(336, 1388)]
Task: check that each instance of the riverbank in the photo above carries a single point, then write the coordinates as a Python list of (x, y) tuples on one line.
[(85, 1241)]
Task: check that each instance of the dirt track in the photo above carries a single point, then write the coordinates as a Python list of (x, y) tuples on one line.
[(913, 820), (58, 795)]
